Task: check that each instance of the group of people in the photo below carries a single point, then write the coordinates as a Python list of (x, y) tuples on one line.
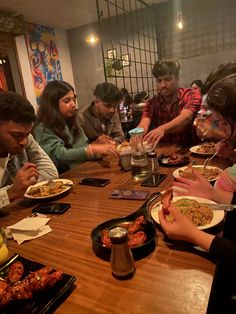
[(36, 147), (220, 87)]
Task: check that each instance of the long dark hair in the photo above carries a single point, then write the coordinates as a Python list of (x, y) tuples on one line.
[(222, 97), (49, 113)]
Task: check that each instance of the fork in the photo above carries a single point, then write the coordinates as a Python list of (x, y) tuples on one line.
[(51, 183), (208, 159)]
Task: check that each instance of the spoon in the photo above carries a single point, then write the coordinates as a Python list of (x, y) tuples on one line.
[(208, 159)]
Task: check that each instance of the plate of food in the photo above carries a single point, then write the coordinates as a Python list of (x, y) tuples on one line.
[(202, 216), (206, 149), (210, 173), (48, 189), (174, 159), (30, 287)]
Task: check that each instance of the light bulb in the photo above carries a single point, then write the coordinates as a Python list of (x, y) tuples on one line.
[(180, 25), (91, 39), (179, 20)]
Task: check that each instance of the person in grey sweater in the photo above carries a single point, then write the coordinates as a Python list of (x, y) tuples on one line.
[(101, 120), (22, 161)]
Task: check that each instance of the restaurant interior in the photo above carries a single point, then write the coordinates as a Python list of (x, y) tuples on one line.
[(87, 42)]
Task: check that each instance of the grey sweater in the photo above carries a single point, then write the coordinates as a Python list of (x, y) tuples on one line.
[(32, 153), (93, 127)]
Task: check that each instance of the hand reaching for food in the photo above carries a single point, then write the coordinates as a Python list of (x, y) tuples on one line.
[(180, 228), (26, 176), (199, 187), (225, 150), (104, 139), (166, 200), (153, 137), (104, 149)]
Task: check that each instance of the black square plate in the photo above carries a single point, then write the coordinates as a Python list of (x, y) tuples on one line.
[(43, 302)]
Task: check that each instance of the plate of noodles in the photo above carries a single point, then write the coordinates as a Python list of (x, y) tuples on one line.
[(48, 189), (205, 149), (202, 216), (210, 173)]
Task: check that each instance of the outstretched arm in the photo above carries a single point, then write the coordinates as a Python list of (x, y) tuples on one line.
[(202, 188), (176, 124)]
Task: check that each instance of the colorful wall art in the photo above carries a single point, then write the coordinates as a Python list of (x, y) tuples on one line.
[(43, 56)]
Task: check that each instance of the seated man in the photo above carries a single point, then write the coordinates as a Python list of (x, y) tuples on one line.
[(170, 114), (22, 161), (101, 121), (197, 84)]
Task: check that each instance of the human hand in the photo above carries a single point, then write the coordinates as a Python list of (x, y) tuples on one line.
[(104, 149), (26, 176), (225, 150), (104, 139), (153, 137), (201, 187), (180, 229)]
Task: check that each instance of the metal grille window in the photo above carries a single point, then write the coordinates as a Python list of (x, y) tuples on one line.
[(129, 43)]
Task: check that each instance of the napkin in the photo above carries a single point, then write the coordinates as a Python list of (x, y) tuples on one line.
[(29, 228)]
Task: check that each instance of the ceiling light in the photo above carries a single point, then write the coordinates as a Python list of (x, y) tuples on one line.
[(179, 20), (92, 39)]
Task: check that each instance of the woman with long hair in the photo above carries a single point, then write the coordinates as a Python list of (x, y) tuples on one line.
[(58, 132)]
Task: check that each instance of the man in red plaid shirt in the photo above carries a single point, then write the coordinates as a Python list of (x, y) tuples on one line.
[(170, 114)]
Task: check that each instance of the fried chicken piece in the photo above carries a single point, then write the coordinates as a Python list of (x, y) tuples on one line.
[(21, 290), (175, 158), (15, 272), (45, 277), (137, 225), (105, 238), (36, 281), (166, 199), (54, 278), (136, 239), (5, 293)]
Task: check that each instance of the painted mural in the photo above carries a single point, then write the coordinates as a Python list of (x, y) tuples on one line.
[(43, 56)]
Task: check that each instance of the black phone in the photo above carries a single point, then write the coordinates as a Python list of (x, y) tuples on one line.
[(51, 208), (94, 181), (154, 180)]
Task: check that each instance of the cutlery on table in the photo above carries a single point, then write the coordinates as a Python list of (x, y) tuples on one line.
[(225, 207), (208, 159)]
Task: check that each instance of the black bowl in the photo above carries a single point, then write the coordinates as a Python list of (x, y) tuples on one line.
[(139, 251)]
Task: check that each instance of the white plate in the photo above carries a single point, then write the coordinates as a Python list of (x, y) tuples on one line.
[(195, 148), (218, 215), (65, 181), (176, 172)]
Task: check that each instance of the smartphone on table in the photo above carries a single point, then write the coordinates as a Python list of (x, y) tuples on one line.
[(51, 208), (154, 180), (94, 181)]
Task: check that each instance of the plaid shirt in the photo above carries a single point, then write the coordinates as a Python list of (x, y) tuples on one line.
[(159, 112)]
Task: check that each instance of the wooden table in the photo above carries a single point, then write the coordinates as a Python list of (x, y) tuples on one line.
[(173, 279)]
